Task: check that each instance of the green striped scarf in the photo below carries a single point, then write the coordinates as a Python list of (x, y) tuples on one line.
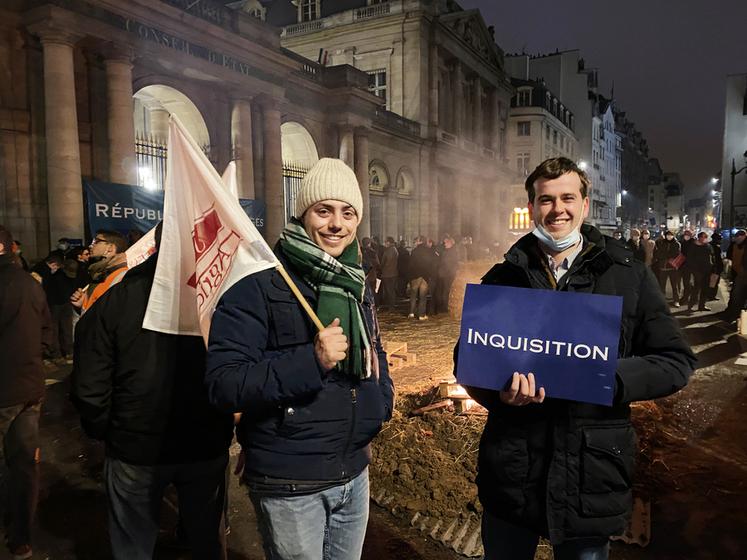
[(339, 284)]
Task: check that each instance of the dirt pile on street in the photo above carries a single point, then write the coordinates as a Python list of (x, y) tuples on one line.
[(429, 462)]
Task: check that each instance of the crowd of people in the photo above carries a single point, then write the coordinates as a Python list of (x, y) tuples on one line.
[(422, 274), (305, 401), (690, 267)]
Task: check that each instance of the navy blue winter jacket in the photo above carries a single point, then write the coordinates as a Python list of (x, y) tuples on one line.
[(299, 422)]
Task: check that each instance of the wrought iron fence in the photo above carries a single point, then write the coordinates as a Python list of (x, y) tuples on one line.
[(151, 154), (292, 175), (151, 162)]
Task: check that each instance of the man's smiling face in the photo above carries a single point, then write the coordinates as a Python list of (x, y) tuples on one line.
[(558, 206), (331, 224)]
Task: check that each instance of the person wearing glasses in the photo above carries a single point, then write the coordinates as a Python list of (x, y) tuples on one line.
[(107, 266)]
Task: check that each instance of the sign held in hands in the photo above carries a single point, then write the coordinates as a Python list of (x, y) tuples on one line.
[(569, 340)]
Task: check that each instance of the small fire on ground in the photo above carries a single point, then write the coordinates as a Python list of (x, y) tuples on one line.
[(454, 396)]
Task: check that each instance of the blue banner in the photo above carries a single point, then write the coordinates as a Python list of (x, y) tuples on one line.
[(568, 340), (124, 208)]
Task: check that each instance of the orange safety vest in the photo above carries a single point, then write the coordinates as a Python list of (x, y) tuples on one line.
[(100, 289)]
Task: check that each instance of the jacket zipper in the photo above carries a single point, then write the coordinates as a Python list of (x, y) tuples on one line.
[(353, 401)]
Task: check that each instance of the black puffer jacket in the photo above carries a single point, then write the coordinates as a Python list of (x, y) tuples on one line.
[(299, 423), (142, 391), (564, 468), (25, 328)]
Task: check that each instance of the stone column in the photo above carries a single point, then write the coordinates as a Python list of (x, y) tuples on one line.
[(477, 125), (273, 166), (347, 145), (433, 88), (495, 104), (121, 124), (64, 190), (458, 99), (158, 120), (244, 153), (361, 172)]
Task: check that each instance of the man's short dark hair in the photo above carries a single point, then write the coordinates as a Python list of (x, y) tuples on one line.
[(390, 240), (552, 169), (55, 258), (115, 238)]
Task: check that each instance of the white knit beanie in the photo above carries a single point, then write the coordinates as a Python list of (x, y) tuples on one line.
[(329, 179)]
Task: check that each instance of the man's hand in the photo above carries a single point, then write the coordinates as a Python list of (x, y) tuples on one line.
[(77, 298), (330, 345), (522, 391)]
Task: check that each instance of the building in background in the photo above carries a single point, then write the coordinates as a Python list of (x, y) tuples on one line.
[(605, 171), (667, 203), (411, 94), (598, 146), (539, 127), (437, 69), (634, 175), (734, 158)]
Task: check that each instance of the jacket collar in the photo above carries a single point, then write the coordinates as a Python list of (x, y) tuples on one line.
[(600, 252)]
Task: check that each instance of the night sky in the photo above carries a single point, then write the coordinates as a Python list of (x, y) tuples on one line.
[(668, 60)]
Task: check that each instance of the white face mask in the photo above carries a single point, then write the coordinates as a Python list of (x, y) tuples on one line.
[(557, 245)]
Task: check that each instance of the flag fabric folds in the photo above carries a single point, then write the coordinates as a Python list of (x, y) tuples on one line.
[(208, 243)]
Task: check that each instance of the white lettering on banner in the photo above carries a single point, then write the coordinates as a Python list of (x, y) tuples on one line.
[(126, 212), (539, 346)]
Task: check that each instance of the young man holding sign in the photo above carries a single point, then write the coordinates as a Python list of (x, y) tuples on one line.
[(562, 468)]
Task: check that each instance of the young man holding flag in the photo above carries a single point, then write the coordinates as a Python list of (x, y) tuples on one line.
[(311, 401)]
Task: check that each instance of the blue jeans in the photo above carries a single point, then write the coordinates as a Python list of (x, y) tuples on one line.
[(134, 495), (19, 470), (326, 525), (505, 541)]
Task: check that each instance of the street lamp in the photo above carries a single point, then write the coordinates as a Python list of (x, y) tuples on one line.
[(734, 173)]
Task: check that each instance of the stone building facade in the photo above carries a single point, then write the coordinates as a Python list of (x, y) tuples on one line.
[(436, 67), (539, 127)]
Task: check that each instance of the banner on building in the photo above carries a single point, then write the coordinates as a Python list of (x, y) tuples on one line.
[(568, 340), (126, 208)]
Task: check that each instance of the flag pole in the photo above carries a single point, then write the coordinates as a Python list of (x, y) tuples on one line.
[(299, 296)]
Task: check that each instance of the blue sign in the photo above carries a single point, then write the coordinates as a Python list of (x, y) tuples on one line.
[(124, 208), (568, 340), (121, 208)]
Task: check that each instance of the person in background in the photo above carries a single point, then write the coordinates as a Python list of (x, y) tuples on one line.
[(666, 250), (25, 330), (18, 252), (700, 259), (142, 393), (718, 265), (648, 247), (108, 265), (389, 274), (403, 262), (735, 251), (448, 264), (636, 245), (686, 272), (371, 264), (59, 287), (419, 271)]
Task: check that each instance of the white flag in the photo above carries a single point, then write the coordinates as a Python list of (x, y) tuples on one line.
[(207, 245), (230, 180), (142, 249)]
